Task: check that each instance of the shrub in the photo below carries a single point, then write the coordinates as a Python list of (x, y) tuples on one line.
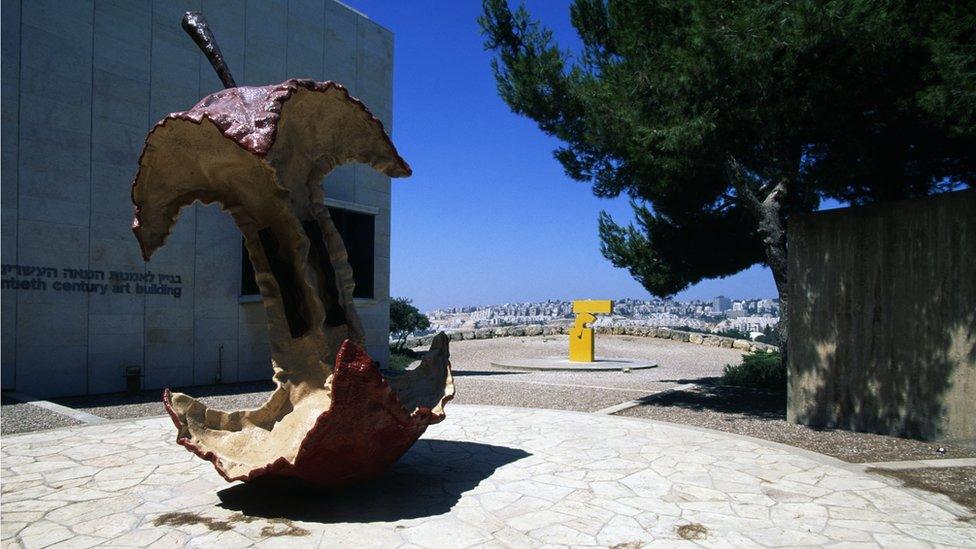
[(759, 369), (401, 359), (770, 335), (734, 333)]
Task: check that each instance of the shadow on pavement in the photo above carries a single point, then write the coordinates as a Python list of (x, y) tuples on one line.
[(696, 381), (741, 401), (427, 481), (462, 373)]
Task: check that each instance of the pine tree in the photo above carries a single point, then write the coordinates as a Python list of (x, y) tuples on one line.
[(720, 120)]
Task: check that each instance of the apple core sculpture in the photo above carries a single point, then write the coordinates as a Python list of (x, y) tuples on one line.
[(261, 153)]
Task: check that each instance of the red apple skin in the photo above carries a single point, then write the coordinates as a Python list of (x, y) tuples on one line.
[(357, 439)]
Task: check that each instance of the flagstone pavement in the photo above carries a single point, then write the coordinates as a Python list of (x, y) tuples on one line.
[(487, 476)]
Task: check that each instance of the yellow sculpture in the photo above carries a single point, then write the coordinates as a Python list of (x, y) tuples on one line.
[(581, 336)]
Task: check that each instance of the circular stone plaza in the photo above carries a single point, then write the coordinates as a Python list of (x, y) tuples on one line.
[(524, 459)]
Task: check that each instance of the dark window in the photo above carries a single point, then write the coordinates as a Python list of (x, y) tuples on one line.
[(249, 286), (358, 232)]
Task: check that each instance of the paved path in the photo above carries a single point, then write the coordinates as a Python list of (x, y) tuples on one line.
[(486, 476)]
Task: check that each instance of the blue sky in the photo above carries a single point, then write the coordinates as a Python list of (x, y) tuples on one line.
[(489, 216)]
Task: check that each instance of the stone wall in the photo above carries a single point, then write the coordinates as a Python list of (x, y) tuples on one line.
[(638, 331), (882, 318)]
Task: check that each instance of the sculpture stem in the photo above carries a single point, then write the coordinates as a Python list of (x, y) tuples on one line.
[(196, 26)]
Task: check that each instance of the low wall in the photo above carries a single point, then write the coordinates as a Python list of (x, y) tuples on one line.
[(709, 340), (882, 313)]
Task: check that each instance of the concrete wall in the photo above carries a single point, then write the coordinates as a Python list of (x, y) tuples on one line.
[(882, 316), (83, 82)]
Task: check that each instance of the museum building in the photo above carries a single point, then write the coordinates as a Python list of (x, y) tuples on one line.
[(83, 82)]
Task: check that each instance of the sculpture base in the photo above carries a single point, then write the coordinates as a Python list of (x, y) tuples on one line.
[(562, 364)]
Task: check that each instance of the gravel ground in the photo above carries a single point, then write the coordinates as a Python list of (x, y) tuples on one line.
[(18, 417), (677, 362), (959, 483), (743, 411), (478, 382), (480, 391), (763, 415), (234, 396)]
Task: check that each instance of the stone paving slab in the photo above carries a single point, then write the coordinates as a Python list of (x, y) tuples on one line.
[(487, 476)]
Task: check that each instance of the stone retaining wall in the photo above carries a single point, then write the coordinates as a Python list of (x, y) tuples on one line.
[(709, 340)]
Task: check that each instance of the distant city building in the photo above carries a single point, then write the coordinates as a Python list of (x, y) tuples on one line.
[(721, 304), (746, 315)]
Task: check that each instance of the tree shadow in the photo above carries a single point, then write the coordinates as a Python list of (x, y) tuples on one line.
[(742, 401), (711, 380), (427, 481)]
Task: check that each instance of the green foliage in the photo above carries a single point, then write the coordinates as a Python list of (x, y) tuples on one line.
[(856, 100), (693, 330), (404, 320), (730, 332), (771, 336), (400, 359), (734, 333), (759, 369)]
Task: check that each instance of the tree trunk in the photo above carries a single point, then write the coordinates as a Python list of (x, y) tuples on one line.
[(782, 328), (772, 226), (770, 215)]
